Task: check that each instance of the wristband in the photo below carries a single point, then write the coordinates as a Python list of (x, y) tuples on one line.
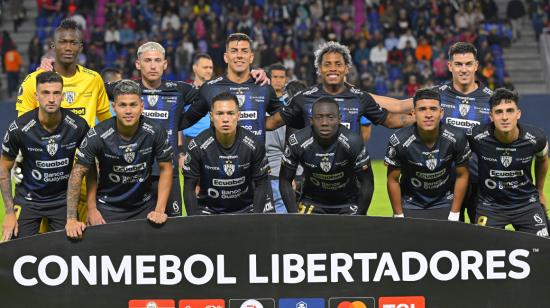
[(399, 215), (454, 216)]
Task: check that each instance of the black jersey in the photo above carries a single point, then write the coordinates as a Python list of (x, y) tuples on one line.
[(426, 172), (465, 111), (353, 103), (329, 173), (505, 181), (165, 105), (124, 181), (48, 157), (226, 175), (254, 102)]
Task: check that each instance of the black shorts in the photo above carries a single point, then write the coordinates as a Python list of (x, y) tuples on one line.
[(533, 220), (174, 204), (29, 218), (131, 214), (205, 210), (438, 214), (308, 206)]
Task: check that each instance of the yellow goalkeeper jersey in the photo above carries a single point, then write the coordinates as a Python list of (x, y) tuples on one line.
[(84, 94)]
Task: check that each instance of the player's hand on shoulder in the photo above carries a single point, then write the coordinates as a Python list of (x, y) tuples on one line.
[(10, 227), (46, 63), (74, 228), (260, 77), (94, 217), (156, 217)]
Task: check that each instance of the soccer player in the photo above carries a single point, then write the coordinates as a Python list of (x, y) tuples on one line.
[(254, 100), (83, 90), (506, 149), (334, 161), (164, 103), (47, 137), (421, 159), (333, 62), (203, 68), (275, 140), (230, 163), (125, 148), (465, 103)]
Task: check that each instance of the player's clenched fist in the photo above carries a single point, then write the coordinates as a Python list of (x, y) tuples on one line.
[(157, 217), (74, 228)]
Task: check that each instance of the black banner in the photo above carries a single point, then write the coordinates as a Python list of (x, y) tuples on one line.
[(286, 261)]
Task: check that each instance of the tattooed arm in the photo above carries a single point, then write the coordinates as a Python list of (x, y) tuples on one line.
[(10, 220), (398, 120), (75, 228)]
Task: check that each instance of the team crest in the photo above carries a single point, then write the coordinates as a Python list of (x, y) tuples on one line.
[(52, 147), (69, 96), (229, 168), (129, 155), (431, 163), (325, 164), (464, 108), (506, 159), (241, 99), (152, 99)]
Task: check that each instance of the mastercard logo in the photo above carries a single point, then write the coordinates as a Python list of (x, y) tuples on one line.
[(354, 304)]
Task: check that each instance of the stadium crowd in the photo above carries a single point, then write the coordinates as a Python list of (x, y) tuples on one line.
[(397, 46)]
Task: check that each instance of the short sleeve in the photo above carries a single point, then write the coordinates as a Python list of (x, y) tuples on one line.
[(371, 110), (260, 165), (392, 158), (88, 149), (163, 148), (290, 156), (462, 149), (11, 142), (192, 162)]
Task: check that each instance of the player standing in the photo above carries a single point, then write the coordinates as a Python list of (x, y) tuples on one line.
[(506, 149), (421, 159), (125, 147), (47, 137), (334, 161), (230, 163)]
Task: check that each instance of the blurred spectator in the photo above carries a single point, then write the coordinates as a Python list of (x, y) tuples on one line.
[(490, 9), (378, 54), (411, 87), (395, 57), (461, 19), (12, 58), (403, 23), (423, 50), (514, 12), (406, 37), (391, 41), (7, 44), (508, 83), (112, 37), (440, 68), (361, 52), (170, 21), (18, 13), (34, 52)]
